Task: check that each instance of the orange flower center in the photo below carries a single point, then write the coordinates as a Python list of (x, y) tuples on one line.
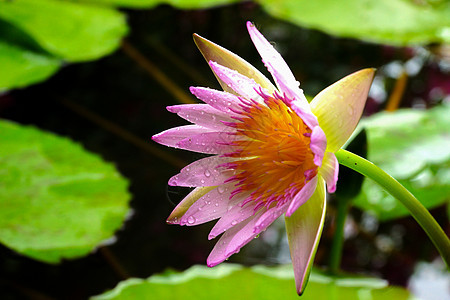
[(275, 160)]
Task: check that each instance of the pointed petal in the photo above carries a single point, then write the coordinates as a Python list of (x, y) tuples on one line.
[(224, 57), (187, 202), (219, 252), (329, 171), (209, 207), (304, 112), (339, 107), (242, 85), (282, 75), (210, 143), (222, 101), (318, 145), (233, 240), (203, 172), (269, 216), (276, 65), (202, 115), (232, 217), (304, 229), (174, 135), (303, 196)]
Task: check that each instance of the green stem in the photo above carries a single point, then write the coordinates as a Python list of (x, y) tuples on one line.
[(338, 237), (417, 210)]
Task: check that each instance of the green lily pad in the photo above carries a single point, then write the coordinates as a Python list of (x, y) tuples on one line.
[(21, 67), (413, 146), (68, 30), (397, 22), (184, 4), (228, 281), (56, 199)]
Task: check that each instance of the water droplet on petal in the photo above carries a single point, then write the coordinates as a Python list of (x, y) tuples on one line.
[(350, 110), (191, 220), (234, 222), (207, 173), (220, 189)]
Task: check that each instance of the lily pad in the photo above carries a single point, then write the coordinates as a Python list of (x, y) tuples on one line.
[(228, 281), (57, 200), (183, 4), (413, 146), (68, 30), (21, 67), (397, 22)]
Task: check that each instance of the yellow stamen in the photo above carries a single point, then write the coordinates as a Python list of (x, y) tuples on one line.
[(275, 154)]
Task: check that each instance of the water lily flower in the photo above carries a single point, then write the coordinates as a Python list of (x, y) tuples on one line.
[(272, 151)]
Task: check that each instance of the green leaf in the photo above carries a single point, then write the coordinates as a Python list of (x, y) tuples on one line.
[(228, 281), (414, 147), (56, 199), (397, 22), (72, 31), (184, 4), (21, 67)]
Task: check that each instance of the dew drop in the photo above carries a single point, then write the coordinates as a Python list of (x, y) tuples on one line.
[(207, 173), (234, 222), (216, 204), (220, 189), (191, 220), (350, 110)]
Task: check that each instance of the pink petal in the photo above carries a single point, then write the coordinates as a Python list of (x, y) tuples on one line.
[(233, 216), (269, 217), (209, 207), (238, 236), (202, 115), (304, 113), (304, 229), (282, 75), (233, 240), (318, 145), (174, 135), (330, 170), (222, 101), (302, 196), (210, 143), (230, 60), (241, 84), (203, 172)]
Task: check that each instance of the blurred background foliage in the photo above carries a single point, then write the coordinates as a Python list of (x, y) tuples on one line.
[(100, 72)]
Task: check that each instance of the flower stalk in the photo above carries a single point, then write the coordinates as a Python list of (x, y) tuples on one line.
[(338, 237), (392, 186)]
